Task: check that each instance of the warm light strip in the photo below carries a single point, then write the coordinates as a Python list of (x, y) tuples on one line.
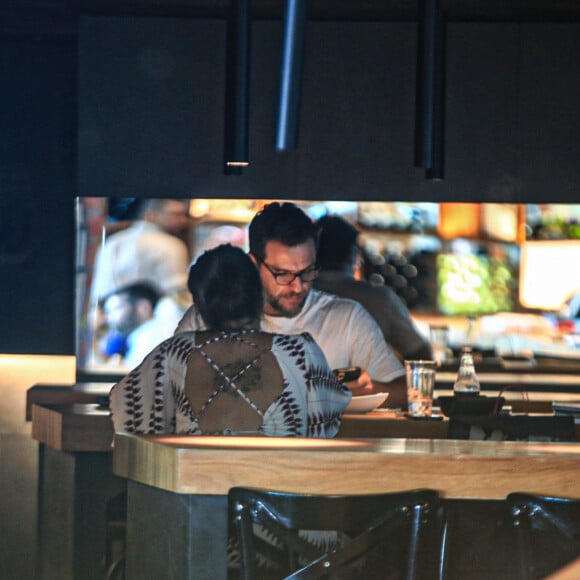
[(549, 273), (289, 443), (36, 368)]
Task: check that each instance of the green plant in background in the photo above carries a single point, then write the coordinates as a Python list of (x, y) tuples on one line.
[(473, 285)]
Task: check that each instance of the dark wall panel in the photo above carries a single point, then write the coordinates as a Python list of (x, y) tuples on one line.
[(358, 108), (37, 162), (481, 124), (151, 111), (549, 115)]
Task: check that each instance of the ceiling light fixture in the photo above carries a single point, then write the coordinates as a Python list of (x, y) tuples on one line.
[(237, 97), (430, 90), (295, 20)]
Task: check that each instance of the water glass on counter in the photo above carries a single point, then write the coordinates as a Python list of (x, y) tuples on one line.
[(439, 342), (420, 385)]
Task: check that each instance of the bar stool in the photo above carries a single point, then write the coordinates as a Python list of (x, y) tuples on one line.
[(547, 531), (285, 535)]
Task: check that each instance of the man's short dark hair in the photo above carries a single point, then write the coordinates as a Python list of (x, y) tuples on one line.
[(281, 222), (135, 292), (337, 240)]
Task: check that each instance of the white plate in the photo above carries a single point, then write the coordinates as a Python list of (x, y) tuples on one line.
[(366, 403)]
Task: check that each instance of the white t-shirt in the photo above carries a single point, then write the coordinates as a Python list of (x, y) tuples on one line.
[(344, 330), (141, 253), (152, 332)]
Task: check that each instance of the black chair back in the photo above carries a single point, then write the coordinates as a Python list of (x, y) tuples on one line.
[(386, 536), (548, 532)]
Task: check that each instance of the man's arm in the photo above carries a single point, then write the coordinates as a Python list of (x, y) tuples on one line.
[(397, 390), (382, 370)]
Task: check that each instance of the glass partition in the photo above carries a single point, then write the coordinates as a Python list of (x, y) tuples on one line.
[(406, 246)]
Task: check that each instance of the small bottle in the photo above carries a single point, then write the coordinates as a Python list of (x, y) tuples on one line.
[(470, 334), (467, 382)]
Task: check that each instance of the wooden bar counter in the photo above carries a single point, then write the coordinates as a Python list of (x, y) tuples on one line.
[(75, 487), (458, 469), (88, 426), (42, 394), (177, 486), (73, 428)]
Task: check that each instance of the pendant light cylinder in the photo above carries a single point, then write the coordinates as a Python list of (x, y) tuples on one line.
[(430, 98), (237, 97), (295, 20)]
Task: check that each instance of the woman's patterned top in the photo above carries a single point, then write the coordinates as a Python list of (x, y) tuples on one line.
[(152, 398)]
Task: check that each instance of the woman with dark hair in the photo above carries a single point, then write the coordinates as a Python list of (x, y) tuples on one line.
[(231, 378)]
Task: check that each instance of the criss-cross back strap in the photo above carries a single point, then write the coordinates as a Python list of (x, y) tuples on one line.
[(223, 365), (230, 382)]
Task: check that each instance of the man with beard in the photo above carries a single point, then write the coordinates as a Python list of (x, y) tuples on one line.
[(133, 329), (283, 241)]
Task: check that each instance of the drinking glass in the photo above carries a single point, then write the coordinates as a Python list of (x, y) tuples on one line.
[(439, 342), (420, 385)]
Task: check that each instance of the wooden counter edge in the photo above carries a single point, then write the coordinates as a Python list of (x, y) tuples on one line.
[(60, 394), (62, 430), (214, 470)]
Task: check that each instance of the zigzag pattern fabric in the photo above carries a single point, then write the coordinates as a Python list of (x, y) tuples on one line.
[(153, 399)]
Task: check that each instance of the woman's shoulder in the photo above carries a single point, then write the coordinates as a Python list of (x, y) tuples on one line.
[(303, 337), (303, 342)]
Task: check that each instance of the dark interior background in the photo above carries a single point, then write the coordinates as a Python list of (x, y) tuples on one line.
[(126, 98)]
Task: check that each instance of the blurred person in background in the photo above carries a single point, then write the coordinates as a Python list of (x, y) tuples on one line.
[(338, 256), (283, 241), (149, 251), (131, 328), (231, 378)]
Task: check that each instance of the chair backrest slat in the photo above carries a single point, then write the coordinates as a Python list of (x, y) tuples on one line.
[(548, 532), (314, 535)]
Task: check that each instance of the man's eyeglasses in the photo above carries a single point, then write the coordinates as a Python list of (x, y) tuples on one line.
[(286, 278)]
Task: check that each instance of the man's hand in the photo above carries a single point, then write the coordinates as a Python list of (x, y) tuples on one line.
[(362, 386), (397, 389)]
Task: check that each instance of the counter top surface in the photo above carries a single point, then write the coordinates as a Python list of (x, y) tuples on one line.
[(457, 468), (80, 427), (211, 465), (53, 394)]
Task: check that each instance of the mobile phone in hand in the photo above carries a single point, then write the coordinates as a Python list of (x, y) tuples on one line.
[(346, 375)]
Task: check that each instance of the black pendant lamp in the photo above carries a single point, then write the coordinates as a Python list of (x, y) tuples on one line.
[(295, 20), (237, 97), (430, 95)]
